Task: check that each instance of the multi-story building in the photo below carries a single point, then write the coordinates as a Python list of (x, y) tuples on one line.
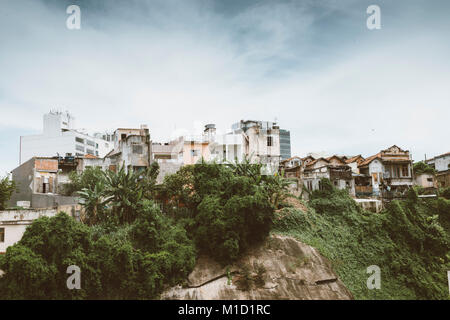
[(261, 140), (39, 182), (333, 168), (132, 149), (59, 137), (388, 172), (441, 164), (285, 144)]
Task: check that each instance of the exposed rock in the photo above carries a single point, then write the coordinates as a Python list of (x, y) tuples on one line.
[(293, 270)]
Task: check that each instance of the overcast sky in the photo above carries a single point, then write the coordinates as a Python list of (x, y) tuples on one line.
[(176, 65)]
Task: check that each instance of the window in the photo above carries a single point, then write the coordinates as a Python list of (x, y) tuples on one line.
[(137, 149), (123, 136), (79, 140), (405, 172), (430, 179), (90, 151), (194, 153), (2, 234), (79, 148), (90, 143), (269, 141)]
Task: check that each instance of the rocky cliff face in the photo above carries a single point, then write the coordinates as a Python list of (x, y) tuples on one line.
[(280, 268)]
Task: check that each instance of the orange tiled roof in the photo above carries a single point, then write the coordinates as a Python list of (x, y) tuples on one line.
[(354, 158), (370, 159)]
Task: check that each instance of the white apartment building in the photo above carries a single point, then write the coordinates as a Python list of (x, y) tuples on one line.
[(60, 137)]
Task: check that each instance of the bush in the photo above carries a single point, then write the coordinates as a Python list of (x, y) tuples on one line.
[(224, 210), (7, 188), (409, 241), (116, 262)]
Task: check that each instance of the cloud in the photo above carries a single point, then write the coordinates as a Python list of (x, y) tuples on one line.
[(173, 64)]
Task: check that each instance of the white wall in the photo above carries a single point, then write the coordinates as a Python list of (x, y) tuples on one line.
[(16, 221), (441, 164)]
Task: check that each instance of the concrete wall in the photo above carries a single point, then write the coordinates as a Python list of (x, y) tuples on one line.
[(15, 222), (54, 141), (23, 177), (42, 200), (425, 180), (442, 163)]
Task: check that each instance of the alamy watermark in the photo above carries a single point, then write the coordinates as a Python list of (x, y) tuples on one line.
[(374, 281), (74, 280), (374, 20), (73, 22)]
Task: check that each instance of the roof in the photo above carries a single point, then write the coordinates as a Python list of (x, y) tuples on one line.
[(440, 156), (335, 156), (90, 156), (370, 159), (291, 158), (354, 158), (315, 161)]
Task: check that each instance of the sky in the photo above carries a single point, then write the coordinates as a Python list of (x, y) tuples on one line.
[(312, 66)]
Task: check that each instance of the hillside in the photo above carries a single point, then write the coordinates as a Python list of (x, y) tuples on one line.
[(409, 241), (280, 268)]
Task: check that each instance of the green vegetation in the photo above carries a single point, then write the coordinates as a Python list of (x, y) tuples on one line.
[(421, 167), (133, 261), (7, 188), (225, 209), (126, 247), (136, 237), (409, 241)]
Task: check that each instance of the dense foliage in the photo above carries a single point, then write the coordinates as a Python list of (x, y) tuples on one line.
[(409, 241), (7, 188), (421, 167), (126, 247), (225, 209), (131, 261)]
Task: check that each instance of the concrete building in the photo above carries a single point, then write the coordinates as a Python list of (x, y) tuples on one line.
[(425, 180), (14, 222), (59, 137), (132, 149), (441, 164), (39, 181), (353, 162), (285, 144), (261, 140), (333, 168), (388, 172)]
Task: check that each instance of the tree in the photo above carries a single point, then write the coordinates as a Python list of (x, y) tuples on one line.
[(421, 167), (131, 261), (224, 208), (7, 188)]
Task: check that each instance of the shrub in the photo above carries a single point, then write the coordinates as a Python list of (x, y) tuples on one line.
[(7, 188), (224, 210), (131, 261), (409, 241)]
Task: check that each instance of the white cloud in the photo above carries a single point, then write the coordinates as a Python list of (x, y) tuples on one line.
[(171, 66)]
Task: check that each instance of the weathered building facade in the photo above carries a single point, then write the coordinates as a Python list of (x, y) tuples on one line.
[(39, 182), (441, 164), (386, 173), (333, 168)]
